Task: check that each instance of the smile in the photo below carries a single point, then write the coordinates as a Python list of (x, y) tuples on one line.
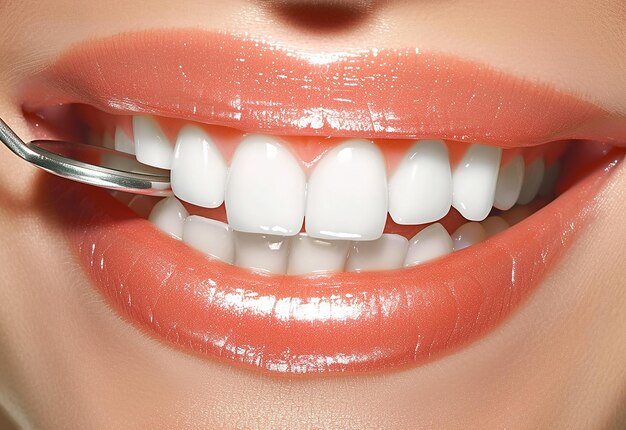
[(338, 212)]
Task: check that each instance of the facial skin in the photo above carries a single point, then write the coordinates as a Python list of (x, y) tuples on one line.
[(67, 361)]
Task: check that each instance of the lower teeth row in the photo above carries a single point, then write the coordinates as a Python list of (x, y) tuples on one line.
[(302, 254)]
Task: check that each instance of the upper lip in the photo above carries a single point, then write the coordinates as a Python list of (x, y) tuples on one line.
[(257, 86)]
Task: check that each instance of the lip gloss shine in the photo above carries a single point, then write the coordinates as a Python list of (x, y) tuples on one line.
[(343, 322), (256, 86)]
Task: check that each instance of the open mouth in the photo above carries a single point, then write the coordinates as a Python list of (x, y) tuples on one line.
[(332, 213)]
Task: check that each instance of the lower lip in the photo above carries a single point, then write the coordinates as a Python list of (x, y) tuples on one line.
[(342, 322)]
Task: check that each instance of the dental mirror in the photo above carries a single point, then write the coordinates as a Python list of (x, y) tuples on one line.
[(89, 164)]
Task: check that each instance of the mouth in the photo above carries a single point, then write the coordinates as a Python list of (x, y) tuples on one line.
[(337, 212)]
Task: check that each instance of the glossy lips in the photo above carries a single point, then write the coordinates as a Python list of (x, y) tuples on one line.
[(258, 86), (344, 322)]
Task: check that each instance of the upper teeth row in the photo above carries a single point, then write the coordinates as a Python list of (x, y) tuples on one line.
[(348, 193)]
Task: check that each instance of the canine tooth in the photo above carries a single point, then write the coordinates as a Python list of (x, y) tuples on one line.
[(151, 145), (430, 243), (198, 173), (494, 225), (262, 252), (550, 178), (210, 237), (347, 193), (532, 181), (168, 215), (123, 143), (385, 253), (474, 181), (420, 190), (467, 235), (265, 191), (310, 255), (509, 184)]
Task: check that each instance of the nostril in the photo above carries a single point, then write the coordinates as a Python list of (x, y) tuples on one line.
[(322, 16)]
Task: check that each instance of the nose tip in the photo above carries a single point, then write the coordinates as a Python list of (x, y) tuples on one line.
[(322, 16)]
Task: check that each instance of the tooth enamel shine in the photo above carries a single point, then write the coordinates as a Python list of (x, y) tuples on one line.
[(211, 237), (261, 252), (151, 145), (198, 173), (467, 235), (474, 181), (420, 190), (266, 187), (386, 253), (509, 184), (169, 215), (123, 143), (310, 255), (430, 243), (347, 193), (344, 204)]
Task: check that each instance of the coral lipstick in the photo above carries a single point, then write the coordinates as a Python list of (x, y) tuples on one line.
[(331, 323), (259, 86), (344, 322)]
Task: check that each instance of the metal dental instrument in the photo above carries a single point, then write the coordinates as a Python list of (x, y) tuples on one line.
[(89, 164)]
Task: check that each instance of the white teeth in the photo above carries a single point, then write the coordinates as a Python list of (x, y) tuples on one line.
[(123, 143), (309, 255), (168, 215), (211, 237), (467, 235), (347, 193), (430, 243), (261, 252), (151, 145), (494, 225), (532, 181), (420, 190), (344, 204), (509, 184), (474, 181), (550, 179), (198, 173), (385, 253), (266, 187)]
